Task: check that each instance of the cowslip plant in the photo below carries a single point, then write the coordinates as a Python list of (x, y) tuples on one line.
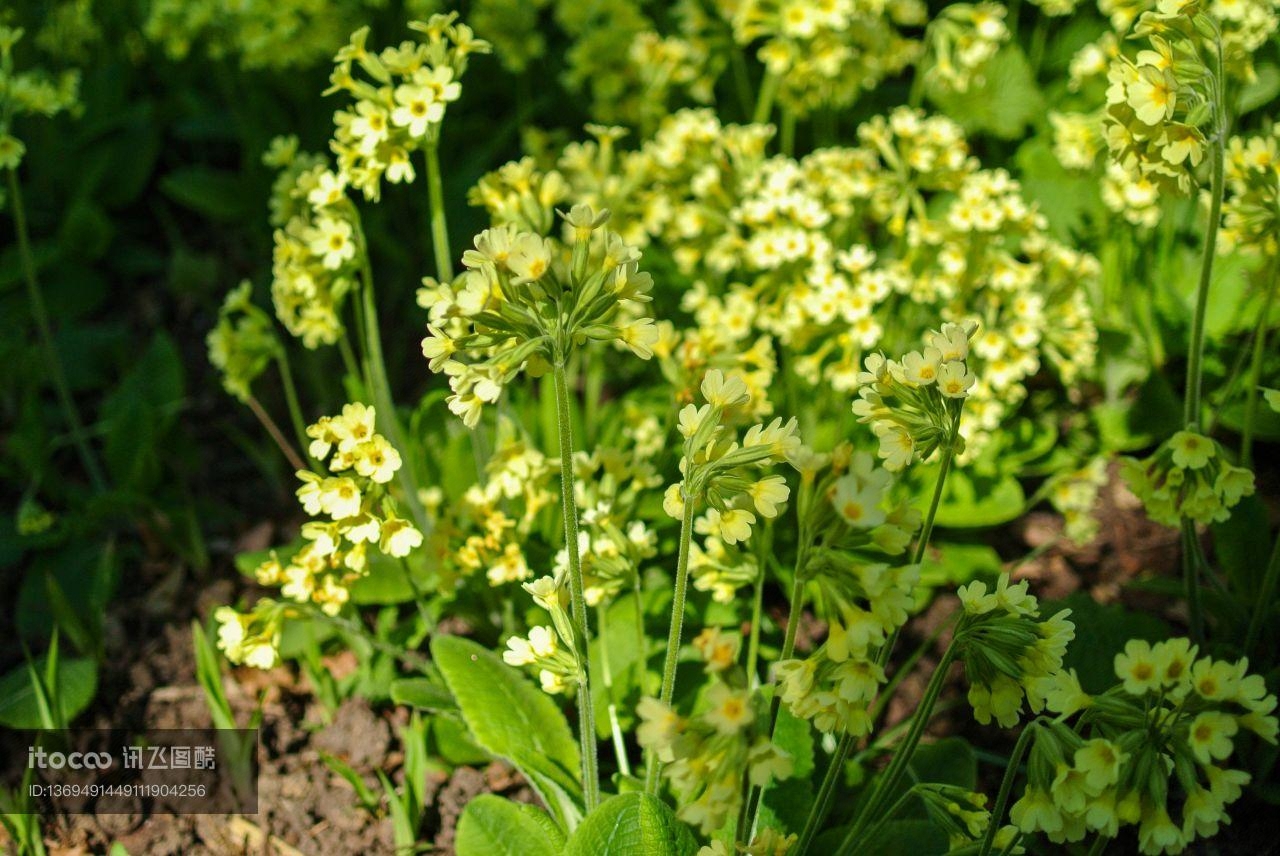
[(722, 600)]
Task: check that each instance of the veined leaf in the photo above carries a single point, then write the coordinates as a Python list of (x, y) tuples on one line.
[(512, 719), (493, 826), (633, 824)]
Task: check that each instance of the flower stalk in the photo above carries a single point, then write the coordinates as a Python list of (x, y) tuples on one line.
[(577, 600)]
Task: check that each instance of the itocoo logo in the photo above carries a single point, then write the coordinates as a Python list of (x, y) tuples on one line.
[(39, 759)]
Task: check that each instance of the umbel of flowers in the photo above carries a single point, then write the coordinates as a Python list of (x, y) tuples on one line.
[(706, 753), (914, 405), (1188, 476), (864, 601), (525, 301), (400, 106), (1007, 649), (1152, 751), (353, 512)]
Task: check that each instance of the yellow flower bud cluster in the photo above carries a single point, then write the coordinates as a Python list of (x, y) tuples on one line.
[(1188, 476), (1160, 105), (319, 244), (705, 755), (400, 106), (261, 34), (613, 540), (824, 55), (961, 41), (486, 531), (526, 302), (1251, 209), (834, 687), (353, 511), (1074, 494), (243, 343), (251, 638), (728, 473), (1008, 649), (913, 406), (31, 92), (1149, 752)]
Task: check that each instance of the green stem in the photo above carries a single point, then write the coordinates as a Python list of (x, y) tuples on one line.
[(822, 802), (675, 628), (751, 806), (787, 138), (1266, 594), (281, 441), (291, 399), (1191, 579), (1191, 410), (439, 224), (1255, 371), (54, 363), (753, 640), (577, 601), (349, 362), (926, 531), (376, 368), (606, 672), (1006, 788), (764, 100), (888, 780)]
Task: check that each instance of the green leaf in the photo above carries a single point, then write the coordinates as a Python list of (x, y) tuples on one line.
[(1263, 90), (216, 194), (1004, 105), (423, 694), (493, 826), (632, 824), (76, 682), (511, 718), (917, 837), (387, 580), (950, 564), (1101, 633), (950, 761), (1067, 198), (976, 501)]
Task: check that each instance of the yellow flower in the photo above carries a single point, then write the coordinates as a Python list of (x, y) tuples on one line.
[(1137, 667), (1191, 451), (1153, 95), (730, 710), (1210, 736), (399, 537), (768, 493)]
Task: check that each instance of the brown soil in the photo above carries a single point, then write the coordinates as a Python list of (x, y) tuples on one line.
[(148, 682)]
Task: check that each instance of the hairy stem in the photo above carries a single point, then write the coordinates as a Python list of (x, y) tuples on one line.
[(674, 631), (888, 780), (439, 224), (1006, 788), (1255, 368), (577, 601)]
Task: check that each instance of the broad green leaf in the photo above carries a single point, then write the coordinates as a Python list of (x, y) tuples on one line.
[(423, 694), (1263, 90), (975, 501), (917, 837), (493, 826), (216, 194), (949, 564), (949, 761), (1101, 633), (388, 580), (1067, 198), (77, 680), (632, 825), (1004, 105), (511, 718)]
